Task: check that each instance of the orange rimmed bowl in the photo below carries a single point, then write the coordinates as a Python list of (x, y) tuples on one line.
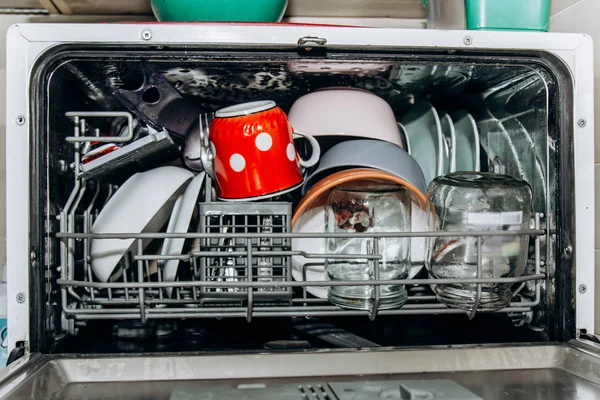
[(309, 217)]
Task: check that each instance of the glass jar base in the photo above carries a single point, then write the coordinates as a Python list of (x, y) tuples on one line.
[(385, 303), (492, 299)]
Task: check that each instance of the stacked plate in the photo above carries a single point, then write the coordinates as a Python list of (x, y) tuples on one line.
[(513, 123), (441, 142), (145, 203)]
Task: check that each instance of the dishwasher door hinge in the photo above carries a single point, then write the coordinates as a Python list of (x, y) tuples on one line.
[(19, 351), (310, 42), (588, 336)]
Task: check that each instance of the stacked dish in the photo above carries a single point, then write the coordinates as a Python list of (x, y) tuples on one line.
[(355, 139), (440, 142)]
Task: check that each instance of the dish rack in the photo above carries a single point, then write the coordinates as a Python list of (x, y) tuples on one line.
[(214, 281)]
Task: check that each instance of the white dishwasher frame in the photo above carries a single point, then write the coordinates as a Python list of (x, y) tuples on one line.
[(27, 42)]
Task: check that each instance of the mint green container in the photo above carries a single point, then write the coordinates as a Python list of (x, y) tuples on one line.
[(508, 15), (219, 10)]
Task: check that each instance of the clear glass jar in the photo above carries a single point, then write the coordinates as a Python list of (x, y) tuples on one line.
[(477, 202), (366, 209)]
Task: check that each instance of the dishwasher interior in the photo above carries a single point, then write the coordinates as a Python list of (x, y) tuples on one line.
[(514, 101)]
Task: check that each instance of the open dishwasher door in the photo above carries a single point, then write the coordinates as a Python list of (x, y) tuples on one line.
[(78, 332), (561, 372)]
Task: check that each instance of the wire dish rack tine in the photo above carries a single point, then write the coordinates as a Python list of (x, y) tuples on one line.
[(209, 293)]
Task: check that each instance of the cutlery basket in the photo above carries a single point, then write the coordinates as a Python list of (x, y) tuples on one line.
[(241, 254)]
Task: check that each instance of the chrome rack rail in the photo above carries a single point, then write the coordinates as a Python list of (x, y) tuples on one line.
[(144, 298)]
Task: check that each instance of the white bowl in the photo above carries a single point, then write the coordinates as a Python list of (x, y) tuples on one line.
[(367, 153), (143, 203), (347, 112)]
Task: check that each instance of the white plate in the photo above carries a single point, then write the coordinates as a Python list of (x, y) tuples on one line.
[(424, 131), (404, 137), (520, 160), (143, 203), (313, 221), (467, 142), (518, 90), (449, 142), (446, 156), (180, 223)]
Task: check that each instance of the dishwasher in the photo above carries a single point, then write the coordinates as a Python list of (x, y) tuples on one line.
[(76, 132)]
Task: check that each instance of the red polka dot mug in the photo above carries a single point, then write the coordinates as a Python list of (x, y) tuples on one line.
[(253, 152)]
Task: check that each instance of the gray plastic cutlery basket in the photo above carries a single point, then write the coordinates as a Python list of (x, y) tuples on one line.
[(243, 253)]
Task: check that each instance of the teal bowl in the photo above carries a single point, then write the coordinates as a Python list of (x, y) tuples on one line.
[(219, 10)]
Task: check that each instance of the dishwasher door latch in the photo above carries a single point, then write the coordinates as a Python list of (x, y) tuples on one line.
[(310, 42)]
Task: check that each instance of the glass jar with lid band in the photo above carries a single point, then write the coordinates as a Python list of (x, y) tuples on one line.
[(365, 209), (471, 202)]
